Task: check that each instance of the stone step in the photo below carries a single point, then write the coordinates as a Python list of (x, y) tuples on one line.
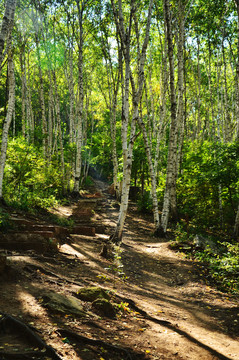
[(99, 227), (39, 241), (83, 230), (29, 226)]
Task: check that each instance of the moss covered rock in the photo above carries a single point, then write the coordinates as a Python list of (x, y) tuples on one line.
[(104, 307), (64, 304), (92, 293)]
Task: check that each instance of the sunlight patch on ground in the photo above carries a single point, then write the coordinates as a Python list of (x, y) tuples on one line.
[(71, 251), (20, 258), (63, 211), (30, 304)]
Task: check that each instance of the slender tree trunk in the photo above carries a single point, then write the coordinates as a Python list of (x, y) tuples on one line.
[(7, 24), (58, 127), (180, 108), (199, 124), (163, 110), (152, 176), (212, 123), (7, 122), (170, 189), (237, 74), (42, 102), (79, 115), (226, 127), (72, 96), (23, 78), (127, 148), (236, 226)]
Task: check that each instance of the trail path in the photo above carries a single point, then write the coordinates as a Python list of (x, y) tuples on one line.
[(168, 310)]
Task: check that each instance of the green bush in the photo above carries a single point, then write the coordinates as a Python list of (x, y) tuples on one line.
[(223, 265), (4, 219), (28, 181), (208, 185), (144, 203), (221, 258)]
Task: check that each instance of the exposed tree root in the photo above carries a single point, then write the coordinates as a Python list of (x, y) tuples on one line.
[(142, 312), (128, 353), (175, 328), (8, 322), (32, 267)]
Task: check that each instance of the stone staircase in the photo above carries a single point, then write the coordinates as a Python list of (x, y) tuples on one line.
[(86, 221), (33, 234), (26, 234)]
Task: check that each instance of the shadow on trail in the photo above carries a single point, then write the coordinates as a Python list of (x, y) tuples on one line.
[(163, 279)]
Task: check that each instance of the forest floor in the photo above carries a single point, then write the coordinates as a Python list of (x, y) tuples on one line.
[(166, 310)]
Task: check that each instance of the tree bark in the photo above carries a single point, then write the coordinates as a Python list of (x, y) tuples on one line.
[(42, 102), (7, 122), (7, 24), (79, 115), (58, 132), (237, 74), (170, 188), (125, 36)]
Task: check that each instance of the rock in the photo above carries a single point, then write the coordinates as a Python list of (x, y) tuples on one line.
[(104, 307), (64, 304), (201, 242), (92, 293)]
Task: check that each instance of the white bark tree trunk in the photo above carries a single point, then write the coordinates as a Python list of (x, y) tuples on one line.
[(236, 226), (7, 122), (58, 127), (42, 103), (152, 175), (237, 75), (23, 79), (7, 24), (170, 193), (180, 109), (125, 35), (79, 113)]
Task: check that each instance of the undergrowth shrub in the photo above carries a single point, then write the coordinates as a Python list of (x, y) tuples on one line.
[(28, 181), (220, 256), (208, 185), (4, 219), (144, 202), (223, 265)]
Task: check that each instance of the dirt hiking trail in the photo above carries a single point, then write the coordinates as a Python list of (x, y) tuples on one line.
[(147, 302)]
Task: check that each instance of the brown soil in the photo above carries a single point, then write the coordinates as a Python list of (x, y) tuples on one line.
[(166, 308)]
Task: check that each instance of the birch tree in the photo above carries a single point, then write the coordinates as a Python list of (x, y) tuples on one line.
[(79, 112), (236, 226), (5, 36), (125, 33), (170, 201), (8, 119), (6, 27)]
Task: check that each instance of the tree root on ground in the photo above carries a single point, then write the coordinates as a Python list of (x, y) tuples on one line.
[(142, 312), (9, 323), (128, 353), (31, 268), (172, 327)]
